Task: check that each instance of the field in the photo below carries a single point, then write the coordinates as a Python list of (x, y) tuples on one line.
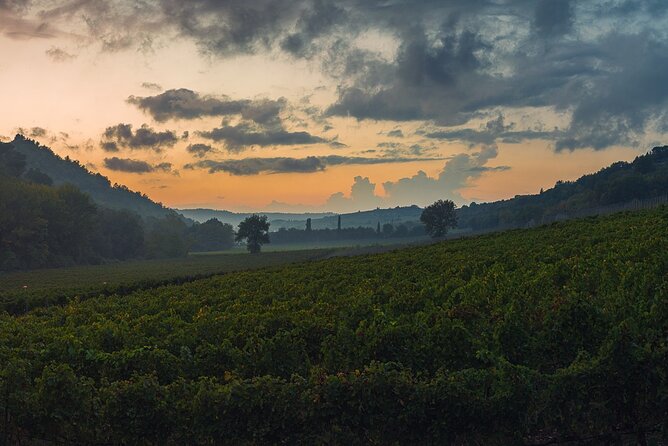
[(549, 335), (334, 244), (21, 291)]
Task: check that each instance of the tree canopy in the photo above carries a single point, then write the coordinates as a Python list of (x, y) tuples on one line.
[(255, 230), (439, 217)]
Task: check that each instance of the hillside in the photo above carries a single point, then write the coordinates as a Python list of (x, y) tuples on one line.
[(100, 189), (527, 337), (644, 178)]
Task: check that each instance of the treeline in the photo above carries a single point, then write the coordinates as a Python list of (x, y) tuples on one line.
[(645, 177), (387, 230), (43, 226), (59, 170)]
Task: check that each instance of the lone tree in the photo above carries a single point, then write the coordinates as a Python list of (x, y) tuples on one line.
[(439, 217), (255, 230)]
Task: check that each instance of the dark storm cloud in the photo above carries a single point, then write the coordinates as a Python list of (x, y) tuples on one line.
[(554, 16), (256, 166), (240, 136), (143, 138), (491, 132), (187, 104), (629, 8), (431, 79), (455, 60), (617, 109), (135, 166), (314, 21)]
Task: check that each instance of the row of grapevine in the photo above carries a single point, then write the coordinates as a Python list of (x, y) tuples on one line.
[(558, 333)]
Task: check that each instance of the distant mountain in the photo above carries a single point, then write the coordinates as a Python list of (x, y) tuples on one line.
[(60, 170), (326, 220), (622, 182), (234, 218), (370, 219)]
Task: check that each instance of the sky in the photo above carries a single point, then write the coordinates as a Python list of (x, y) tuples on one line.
[(314, 105)]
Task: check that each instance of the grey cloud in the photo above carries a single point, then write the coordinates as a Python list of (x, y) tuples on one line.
[(240, 136), (362, 196), (337, 145), (432, 79), (554, 16), (255, 166), (59, 55), (493, 131), (135, 166), (187, 104), (37, 132), (396, 133), (397, 149), (151, 86), (143, 138), (200, 150), (116, 43), (109, 146), (314, 21), (457, 173), (617, 109), (389, 145), (456, 59)]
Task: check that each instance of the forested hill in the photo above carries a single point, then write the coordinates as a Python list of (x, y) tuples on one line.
[(644, 178), (41, 160)]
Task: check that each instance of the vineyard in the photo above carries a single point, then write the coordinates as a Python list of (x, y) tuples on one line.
[(549, 335), (25, 290)]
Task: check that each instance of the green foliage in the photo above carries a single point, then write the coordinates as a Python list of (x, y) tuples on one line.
[(644, 178), (41, 226), (211, 235), (526, 337), (12, 163), (438, 218), (45, 167), (44, 226), (38, 177), (255, 230), (22, 291), (166, 237)]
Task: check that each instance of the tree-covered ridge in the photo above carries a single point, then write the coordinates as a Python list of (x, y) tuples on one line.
[(97, 186), (45, 225), (645, 177), (525, 337)]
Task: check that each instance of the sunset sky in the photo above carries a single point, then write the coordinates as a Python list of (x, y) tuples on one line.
[(310, 105)]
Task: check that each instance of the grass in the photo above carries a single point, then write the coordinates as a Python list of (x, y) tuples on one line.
[(22, 291), (333, 244)]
